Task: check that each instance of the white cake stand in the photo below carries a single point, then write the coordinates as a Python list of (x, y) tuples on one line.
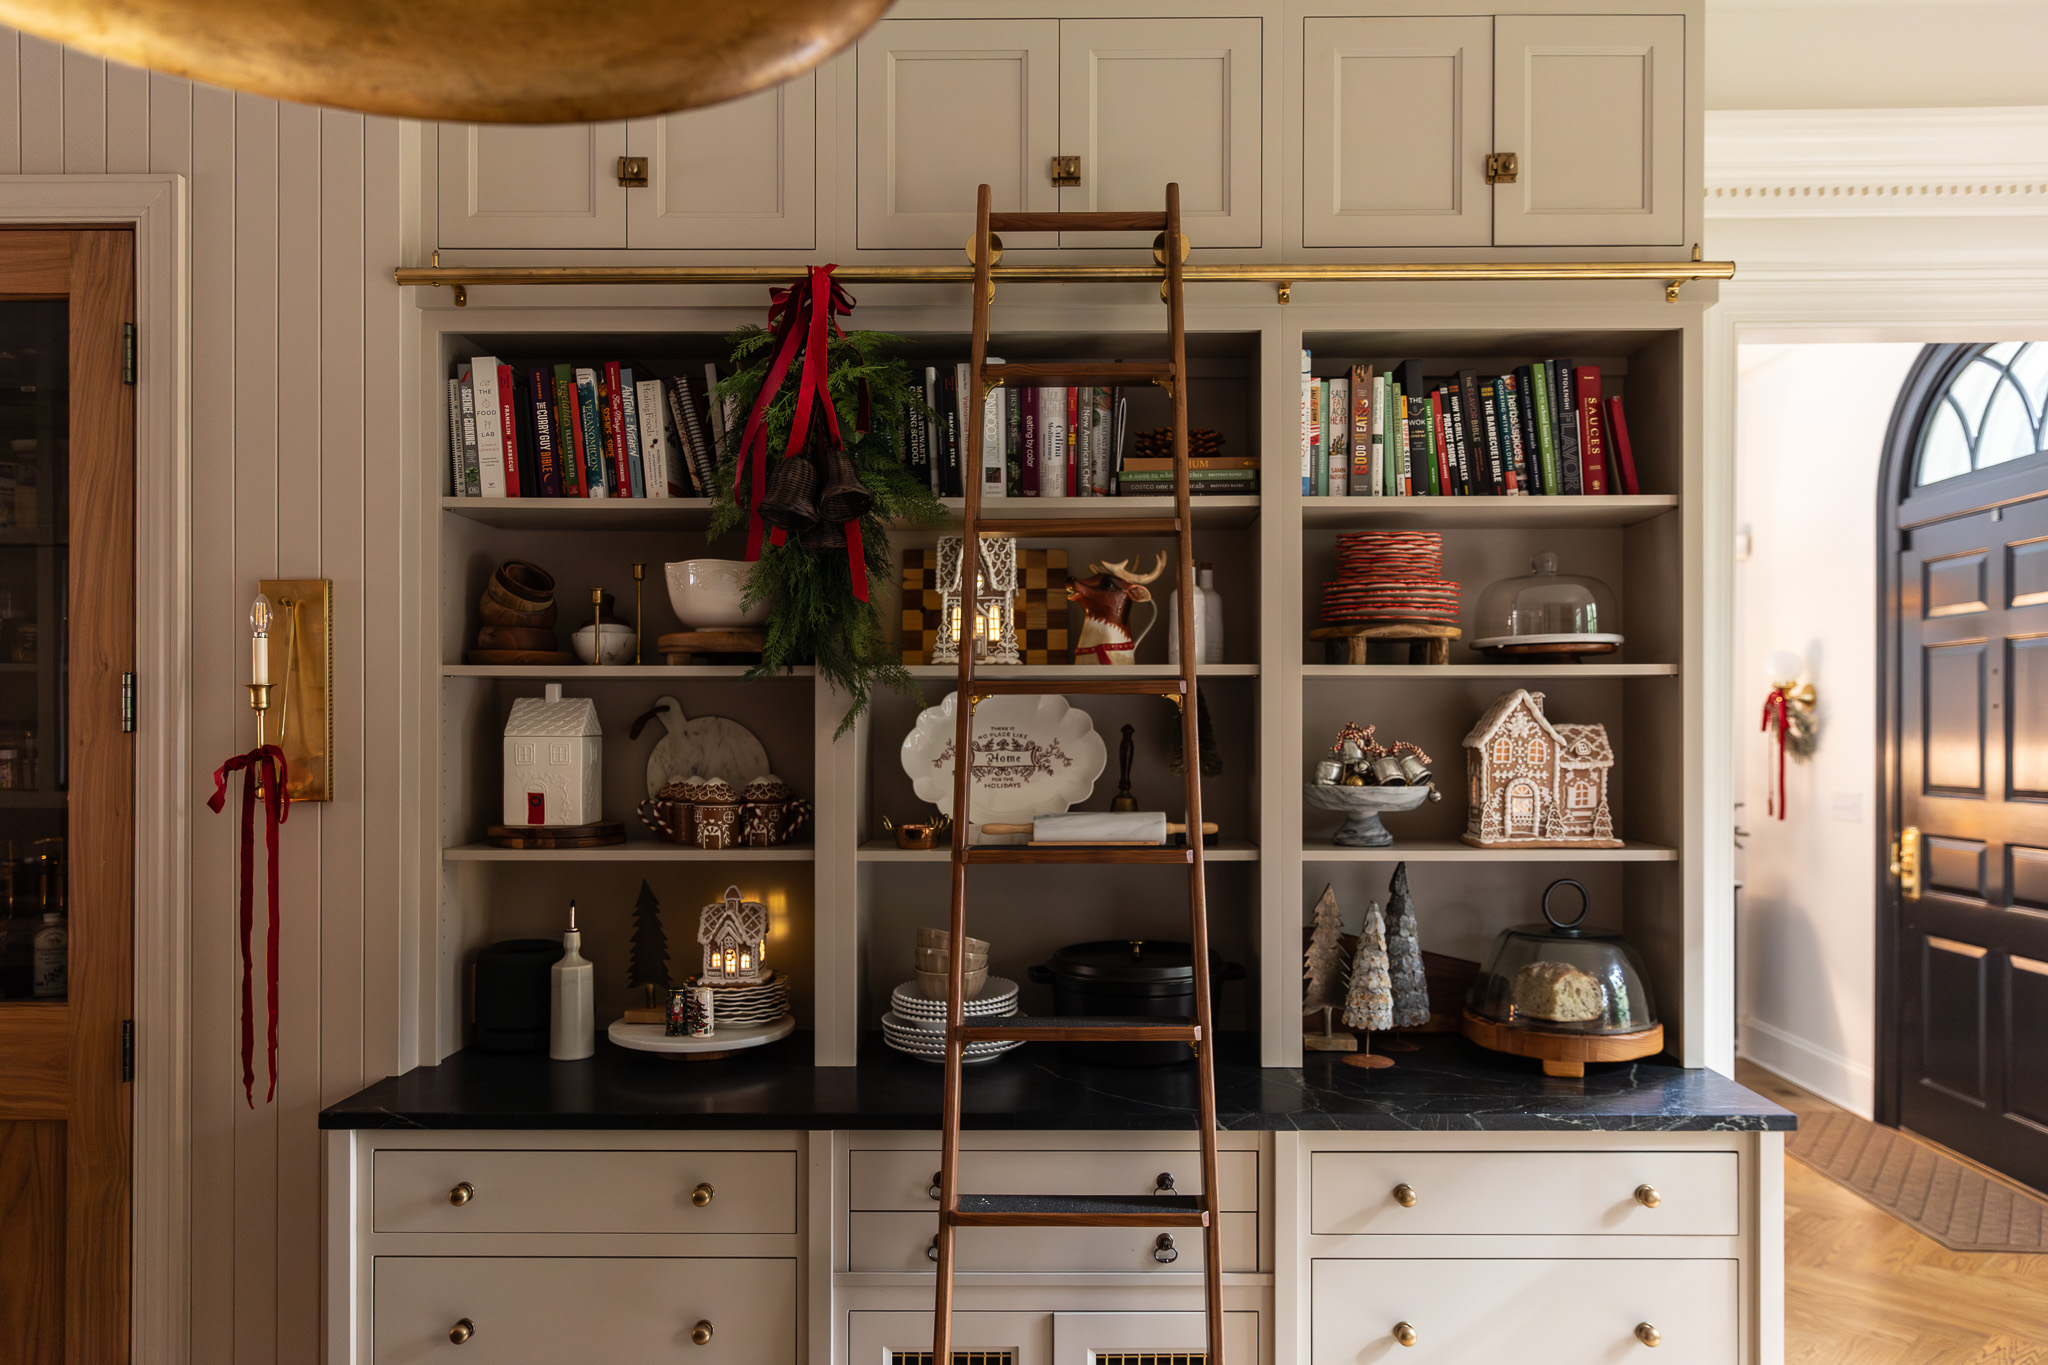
[(725, 1041)]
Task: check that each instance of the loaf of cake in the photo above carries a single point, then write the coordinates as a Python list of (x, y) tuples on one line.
[(1557, 991)]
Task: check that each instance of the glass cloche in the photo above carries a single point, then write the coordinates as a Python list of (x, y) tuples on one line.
[(1546, 612), (1564, 977)]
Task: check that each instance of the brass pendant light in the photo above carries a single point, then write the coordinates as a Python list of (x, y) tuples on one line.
[(471, 61)]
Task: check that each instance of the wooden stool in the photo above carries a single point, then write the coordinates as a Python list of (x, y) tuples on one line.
[(1427, 644)]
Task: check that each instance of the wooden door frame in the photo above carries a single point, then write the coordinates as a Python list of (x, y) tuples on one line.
[(156, 208)]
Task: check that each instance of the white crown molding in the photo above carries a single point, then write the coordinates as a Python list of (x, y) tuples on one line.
[(1876, 163)]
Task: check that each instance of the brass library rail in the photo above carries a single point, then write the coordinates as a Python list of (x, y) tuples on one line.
[(1671, 273)]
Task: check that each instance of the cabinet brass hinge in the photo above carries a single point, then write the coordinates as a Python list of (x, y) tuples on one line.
[(127, 703), (127, 353), (633, 172), (127, 1049), (1502, 168), (1066, 170)]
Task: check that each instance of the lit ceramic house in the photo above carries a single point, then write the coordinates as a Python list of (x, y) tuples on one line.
[(734, 935), (994, 629), (1532, 784), (554, 761)]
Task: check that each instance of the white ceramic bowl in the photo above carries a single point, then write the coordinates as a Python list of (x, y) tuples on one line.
[(706, 594), (618, 644)]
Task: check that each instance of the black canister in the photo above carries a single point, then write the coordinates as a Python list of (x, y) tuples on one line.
[(1129, 976), (512, 994)]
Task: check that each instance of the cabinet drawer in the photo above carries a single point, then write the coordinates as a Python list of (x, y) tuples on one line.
[(901, 1241), (1523, 1193), (560, 1191), (1530, 1312), (545, 1310), (904, 1180)]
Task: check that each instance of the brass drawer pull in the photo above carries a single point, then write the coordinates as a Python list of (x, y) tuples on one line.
[(1164, 1251), (701, 1333), (1647, 1196), (1404, 1195), (934, 1190), (1164, 1184), (931, 1253), (462, 1194), (701, 1195), (1648, 1335), (462, 1331), (1404, 1334)]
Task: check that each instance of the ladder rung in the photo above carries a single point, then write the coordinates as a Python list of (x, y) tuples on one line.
[(1016, 854), (1077, 222), (1080, 687), (1070, 528), (1080, 1211), (1080, 371), (1106, 1028)]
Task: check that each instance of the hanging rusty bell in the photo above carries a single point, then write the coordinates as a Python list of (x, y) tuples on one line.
[(823, 536), (845, 497), (791, 502)]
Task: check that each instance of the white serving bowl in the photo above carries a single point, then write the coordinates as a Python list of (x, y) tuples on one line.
[(618, 644), (706, 594)]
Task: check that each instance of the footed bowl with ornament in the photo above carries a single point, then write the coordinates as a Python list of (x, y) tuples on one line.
[(1362, 808)]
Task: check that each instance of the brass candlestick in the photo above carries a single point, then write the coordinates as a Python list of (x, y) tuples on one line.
[(596, 627), (259, 702), (639, 617)]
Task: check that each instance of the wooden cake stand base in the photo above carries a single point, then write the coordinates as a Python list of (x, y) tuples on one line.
[(1427, 644), (1564, 1054), (711, 646)]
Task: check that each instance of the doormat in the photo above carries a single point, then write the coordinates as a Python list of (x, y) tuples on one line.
[(1928, 1190)]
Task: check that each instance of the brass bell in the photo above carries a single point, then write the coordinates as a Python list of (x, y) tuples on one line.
[(845, 497), (791, 499), (821, 536)]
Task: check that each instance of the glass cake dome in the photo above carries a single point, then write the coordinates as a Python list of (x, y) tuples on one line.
[(1564, 977), (1544, 611)]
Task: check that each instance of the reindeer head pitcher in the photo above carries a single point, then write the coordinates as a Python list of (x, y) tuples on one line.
[(1106, 600)]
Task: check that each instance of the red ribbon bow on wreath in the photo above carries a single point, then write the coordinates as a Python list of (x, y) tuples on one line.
[(803, 317), (262, 768), (1778, 717)]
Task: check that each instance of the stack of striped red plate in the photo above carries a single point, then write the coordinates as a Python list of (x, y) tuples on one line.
[(1384, 577)]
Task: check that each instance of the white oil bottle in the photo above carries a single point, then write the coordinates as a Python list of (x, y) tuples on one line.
[(1212, 607), (1201, 615), (572, 1018)]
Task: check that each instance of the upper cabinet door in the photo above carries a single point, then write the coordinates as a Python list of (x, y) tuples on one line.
[(1148, 101), (1397, 121), (1595, 109), (737, 175), (523, 185), (944, 106)]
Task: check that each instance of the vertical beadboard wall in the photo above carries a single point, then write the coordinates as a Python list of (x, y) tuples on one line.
[(298, 339)]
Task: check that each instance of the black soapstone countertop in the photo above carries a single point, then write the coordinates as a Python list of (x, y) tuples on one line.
[(1447, 1085)]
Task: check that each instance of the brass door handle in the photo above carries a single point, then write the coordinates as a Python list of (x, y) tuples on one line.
[(1647, 1196), (701, 1333), (1404, 1195), (462, 1331), (462, 1194), (1648, 1335), (702, 1195), (1906, 862), (1404, 1334)]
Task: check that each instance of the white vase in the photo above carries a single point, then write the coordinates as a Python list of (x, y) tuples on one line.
[(1212, 606), (1173, 625)]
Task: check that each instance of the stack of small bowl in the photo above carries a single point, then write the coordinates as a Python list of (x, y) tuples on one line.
[(934, 967)]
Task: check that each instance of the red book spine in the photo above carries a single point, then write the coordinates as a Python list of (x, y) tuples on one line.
[(1441, 443), (1073, 445), (616, 405), (1592, 442), (508, 426), (1624, 458)]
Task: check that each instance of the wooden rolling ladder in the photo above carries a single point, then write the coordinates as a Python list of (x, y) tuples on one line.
[(959, 1210)]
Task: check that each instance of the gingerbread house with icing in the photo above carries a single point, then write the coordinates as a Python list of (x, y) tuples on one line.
[(1534, 784), (734, 935)]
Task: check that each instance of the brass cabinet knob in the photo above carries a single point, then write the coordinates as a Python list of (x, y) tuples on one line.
[(1647, 1196), (933, 1191), (701, 1333), (1164, 1184), (1404, 1195), (701, 1195), (462, 1194), (931, 1252), (462, 1331), (1404, 1334), (1648, 1335)]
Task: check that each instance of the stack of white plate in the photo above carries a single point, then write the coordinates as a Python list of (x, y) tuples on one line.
[(931, 1046), (757, 1003), (998, 997)]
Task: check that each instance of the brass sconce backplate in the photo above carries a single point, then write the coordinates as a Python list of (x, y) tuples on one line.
[(301, 716)]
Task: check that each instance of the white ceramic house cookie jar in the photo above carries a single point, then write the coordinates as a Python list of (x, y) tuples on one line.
[(554, 761)]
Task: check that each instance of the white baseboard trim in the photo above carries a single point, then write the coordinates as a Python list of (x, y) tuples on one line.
[(1827, 1073)]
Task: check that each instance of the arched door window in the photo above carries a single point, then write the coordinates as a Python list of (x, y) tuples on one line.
[(1992, 409)]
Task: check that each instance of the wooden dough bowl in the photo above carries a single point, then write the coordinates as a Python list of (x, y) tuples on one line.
[(1564, 1054)]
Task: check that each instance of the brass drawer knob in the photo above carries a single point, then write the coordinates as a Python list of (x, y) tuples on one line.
[(1404, 1334), (931, 1252), (702, 1195), (933, 1191), (1164, 1251), (1164, 1184), (1404, 1195), (1648, 1335), (462, 1331), (1647, 1196), (462, 1194), (701, 1333)]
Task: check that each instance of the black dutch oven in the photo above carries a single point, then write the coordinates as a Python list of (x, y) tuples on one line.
[(1130, 976)]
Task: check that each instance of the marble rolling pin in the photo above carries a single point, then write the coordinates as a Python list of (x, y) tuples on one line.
[(1098, 827)]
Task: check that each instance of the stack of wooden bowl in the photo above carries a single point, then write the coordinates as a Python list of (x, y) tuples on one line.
[(518, 615), (934, 968)]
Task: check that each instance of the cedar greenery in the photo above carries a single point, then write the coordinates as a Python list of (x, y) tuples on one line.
[(814, 618)]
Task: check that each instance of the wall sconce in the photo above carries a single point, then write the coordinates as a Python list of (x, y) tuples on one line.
[(994, 628), (1788, 719), (291, 672)]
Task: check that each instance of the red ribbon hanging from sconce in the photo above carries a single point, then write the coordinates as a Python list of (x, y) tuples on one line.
[(263, 771), (1777, 721), (802, 318)]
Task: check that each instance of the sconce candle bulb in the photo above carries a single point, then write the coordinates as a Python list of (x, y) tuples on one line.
[(259, 641)]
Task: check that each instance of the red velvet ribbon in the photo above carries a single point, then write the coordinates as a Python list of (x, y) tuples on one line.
[(803, 317), (1777, 715), (262, 769)]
